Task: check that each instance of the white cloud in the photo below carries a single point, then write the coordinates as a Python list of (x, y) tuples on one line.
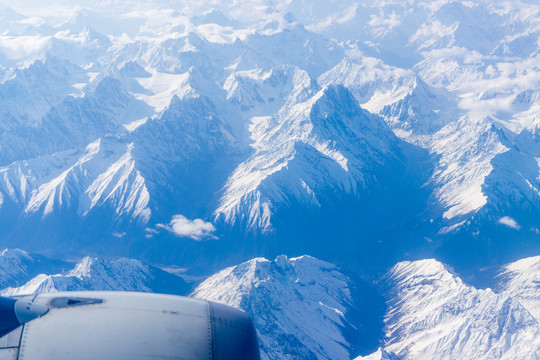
[(23, 47), (381, 25), (508, 221), (197, 229)]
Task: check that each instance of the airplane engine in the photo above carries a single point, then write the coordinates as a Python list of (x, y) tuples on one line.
[(123, 325)]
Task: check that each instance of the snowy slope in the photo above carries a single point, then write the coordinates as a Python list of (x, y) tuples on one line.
[(72, 124), (45, 83), (18, 266), (400, 96), (380, 354), (521, 281), (466, 149), (109, 275), (515, 179), (104, 174), (433, 314), (303, 151), (300, 306)]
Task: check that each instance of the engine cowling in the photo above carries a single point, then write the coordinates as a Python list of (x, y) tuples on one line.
[(123, 325)]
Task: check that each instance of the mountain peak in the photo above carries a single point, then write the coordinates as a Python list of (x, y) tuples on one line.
[(429, 303), (92, 273), (14, 254), (282, 296), (380, 354)]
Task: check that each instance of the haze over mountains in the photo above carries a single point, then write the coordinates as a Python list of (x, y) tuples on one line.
[(192, 137)]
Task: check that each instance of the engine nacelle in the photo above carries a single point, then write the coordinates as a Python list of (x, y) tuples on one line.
[(123, 325)]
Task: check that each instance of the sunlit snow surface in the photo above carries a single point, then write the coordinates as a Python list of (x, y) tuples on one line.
[(521, 280), (433, 314), (291, 301)]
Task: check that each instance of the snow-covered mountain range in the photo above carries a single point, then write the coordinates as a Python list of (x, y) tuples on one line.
[(25, 273), (140, 139), (431, 313), (305, 308), (352, 115)]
